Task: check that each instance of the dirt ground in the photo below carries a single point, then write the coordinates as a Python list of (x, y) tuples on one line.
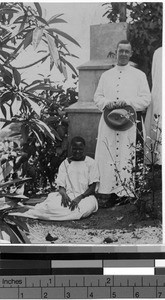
[(118, 225)]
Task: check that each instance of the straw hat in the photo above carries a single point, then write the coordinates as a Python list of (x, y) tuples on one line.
[(120, 118)]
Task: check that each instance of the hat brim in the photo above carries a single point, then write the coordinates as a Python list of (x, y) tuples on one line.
[(120, 118)]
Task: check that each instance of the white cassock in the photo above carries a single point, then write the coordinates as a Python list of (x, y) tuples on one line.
[(155, 108), (114, 155), (75, 177)]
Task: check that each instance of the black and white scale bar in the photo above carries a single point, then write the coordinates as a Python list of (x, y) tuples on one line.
[(48, 267), (54, 271), (159, 271)]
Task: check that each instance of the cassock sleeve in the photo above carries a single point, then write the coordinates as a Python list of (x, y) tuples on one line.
[(100, 100), (143, 98), (61, 177)]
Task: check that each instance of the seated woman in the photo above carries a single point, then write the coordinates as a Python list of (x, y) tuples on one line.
[(76, 181)]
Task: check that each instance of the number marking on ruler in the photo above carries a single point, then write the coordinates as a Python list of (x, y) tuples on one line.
[(82, 287)]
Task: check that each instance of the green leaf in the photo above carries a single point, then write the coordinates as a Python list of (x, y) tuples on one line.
[(4, 54), (64, 71), (56, 134), (33, 124), (19, 223), (28, 39), (40, 87), (7, 76), (23, 23), (14, 31), (61, 43), (42, 20), (72, 55), (39, 9), (17, 76), (56, 20), (53, 49), (15, 53), (2, 69), (8, 47), (32, 84), (65, 35), (19, 234), (6, 97), (38, 137), (37, 36), (34, 106), (6, 122), (16, 105), (45, 58), (25, 131), (11, 112), (26, 240), (45, 129), (19, 19), (37, 81), (4, 228), (37, 133), (70, 65), (14, 134), (4, 111), (13, 236), (1, 84), (51, 20), (51, 63), (7, 11), (41, 51)]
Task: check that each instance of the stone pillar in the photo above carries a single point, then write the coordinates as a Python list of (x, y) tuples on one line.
[(84, 116)]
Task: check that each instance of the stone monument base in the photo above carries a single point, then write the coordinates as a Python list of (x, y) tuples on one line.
[(84, 118)]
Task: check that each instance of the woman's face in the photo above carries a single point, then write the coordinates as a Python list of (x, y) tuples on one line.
[(78, 150)]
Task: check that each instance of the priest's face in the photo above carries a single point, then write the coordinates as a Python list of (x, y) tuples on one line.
[(124, 52)]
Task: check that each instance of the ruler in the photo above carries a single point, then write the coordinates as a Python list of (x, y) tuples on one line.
[(82, 287)]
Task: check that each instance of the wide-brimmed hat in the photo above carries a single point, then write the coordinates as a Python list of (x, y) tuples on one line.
[(120, 118)]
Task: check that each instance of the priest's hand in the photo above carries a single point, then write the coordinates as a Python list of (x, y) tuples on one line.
[(116, 104), (111, 105), (121, 104)]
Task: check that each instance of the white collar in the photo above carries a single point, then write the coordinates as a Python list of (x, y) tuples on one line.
[(123, 68)]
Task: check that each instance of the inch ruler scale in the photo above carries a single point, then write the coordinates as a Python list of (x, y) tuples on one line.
[(82, 286)]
